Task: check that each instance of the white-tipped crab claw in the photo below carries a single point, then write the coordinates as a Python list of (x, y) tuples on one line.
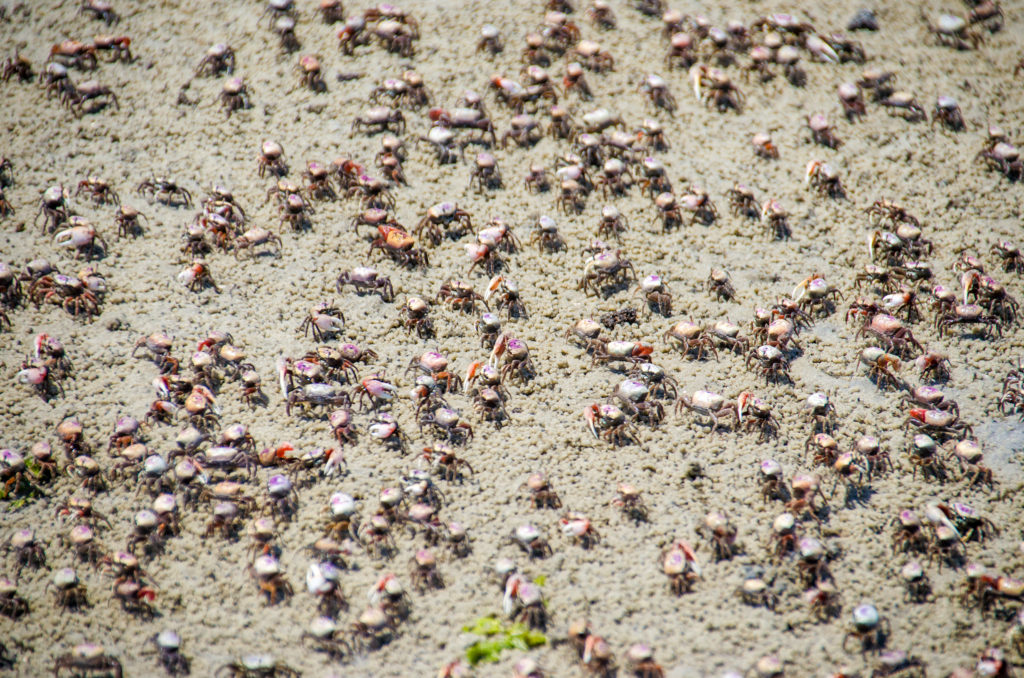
[(493, 286), (801, 288), (281, 372)]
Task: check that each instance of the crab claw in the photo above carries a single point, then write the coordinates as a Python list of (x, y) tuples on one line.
[(382, 430), (691, 555), (40, 341), (162, 387), (969, 278), (508, 599), (335, 458), (801, 288), (493, 286), (590, 414), (812, 167), (471, 371), (741, 404), (281, 372), (498, 349), (377, 589), (935, 515), (378, 389), (32, 375)]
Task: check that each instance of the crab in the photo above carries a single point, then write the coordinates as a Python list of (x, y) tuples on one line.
[(756, 592), (631, 395), (257, 666), (459, 295), (415, 316), (73, 54), (400, 246), (742, 202), (759, 415), (954, 31), (714, 88), (633, 352), (610, 423), (218, 59), (87, 658), (869, 629), (775, 217), (12, 605), (680, 52), (528, 537), (366, 280), (852, 101), (707, 404), (524, 130), (1010, 256), (379, 393), (968, 314), (83, 237), (17, 65), (607, 267), (27, 551), (464, 118), (439, 222), (53, 208), (317, 394), (822, 132), (656, 294), (1005, 158), (890, 330), (679, 563), (165, 191), (670, 211), (73, 294), (90, 97), (924, 455), (822, 177), (442, 460), (691, 338)]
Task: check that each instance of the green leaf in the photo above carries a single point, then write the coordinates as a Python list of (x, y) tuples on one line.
[(535, 638), (540, 581), (484, 626), (507, 637)]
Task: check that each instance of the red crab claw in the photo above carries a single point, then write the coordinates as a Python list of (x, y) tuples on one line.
[(40, 341), (512, 585), (741, 404), (642, 350), (436, 114), (690, 553), (918, 414), (162, 386), (146, 593)]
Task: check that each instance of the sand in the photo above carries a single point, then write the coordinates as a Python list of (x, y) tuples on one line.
[(204, 590)]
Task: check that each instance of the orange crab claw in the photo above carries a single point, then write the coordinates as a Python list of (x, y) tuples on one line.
[(395, 237), (918, 414)]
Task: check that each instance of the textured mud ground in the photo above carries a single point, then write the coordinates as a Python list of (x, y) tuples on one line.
[(204, 590)]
